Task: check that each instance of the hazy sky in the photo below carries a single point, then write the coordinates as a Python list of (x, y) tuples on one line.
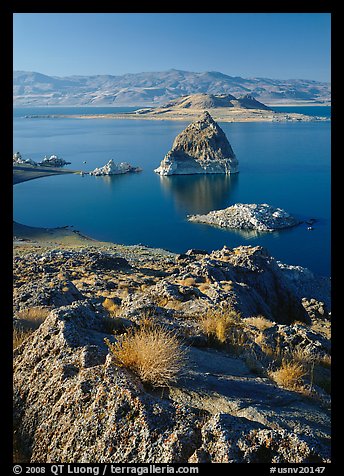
[(281, 46)]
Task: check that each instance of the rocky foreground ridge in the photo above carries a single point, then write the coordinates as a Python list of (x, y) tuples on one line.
[(201, 148), (73, 402), (248, 216)]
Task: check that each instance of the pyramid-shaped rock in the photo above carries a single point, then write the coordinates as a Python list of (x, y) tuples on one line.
[(201, 148)]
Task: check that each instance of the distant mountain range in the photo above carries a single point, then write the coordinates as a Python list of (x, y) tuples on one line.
[(157, 88)]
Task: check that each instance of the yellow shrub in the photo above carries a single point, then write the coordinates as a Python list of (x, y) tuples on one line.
[(289, 375), (219, 324), (259, 322), (34, 316), (19, 335), (187, 282), (152, 353), (110, 306)]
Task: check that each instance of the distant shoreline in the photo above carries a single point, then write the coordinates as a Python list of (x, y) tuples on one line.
[(289, 104), (218, 114)]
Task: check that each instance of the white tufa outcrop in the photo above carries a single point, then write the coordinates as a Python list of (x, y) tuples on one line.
[(111, 168), (260, 217)]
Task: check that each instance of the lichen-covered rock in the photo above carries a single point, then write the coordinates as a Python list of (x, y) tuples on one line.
[(74, 404), (228, 439), (289, 338), (47, 292), (201, 148)]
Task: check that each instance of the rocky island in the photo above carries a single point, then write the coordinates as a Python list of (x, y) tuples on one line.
[(111, 168), (201, 148), (259, 217)]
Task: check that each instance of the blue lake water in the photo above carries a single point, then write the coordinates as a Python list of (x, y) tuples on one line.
[(283, 164)]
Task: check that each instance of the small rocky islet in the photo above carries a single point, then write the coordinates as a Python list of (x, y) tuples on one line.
[(252, 216), (112, 168)]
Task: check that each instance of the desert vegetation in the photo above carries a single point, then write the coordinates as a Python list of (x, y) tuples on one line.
[(152, 352), (28, 320)]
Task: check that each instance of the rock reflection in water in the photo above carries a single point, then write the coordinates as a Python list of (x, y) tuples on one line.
[(200, 193), (246, 234)]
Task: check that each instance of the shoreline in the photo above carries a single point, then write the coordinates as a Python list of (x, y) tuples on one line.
[(23, 173), (288, 104), (24, 235)]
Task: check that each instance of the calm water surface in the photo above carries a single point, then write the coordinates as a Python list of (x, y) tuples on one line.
[(283, 164)]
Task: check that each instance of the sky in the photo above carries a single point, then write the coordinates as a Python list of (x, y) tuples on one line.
[(270, 45)]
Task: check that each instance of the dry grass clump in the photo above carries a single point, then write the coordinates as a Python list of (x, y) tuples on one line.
[(34, 316), (187, 281), (222, 326), (259, 322), (204, 287), (152, 352), (274, 353), (30, 319), (323, 327), (289, 375), (318, 369), (111, 306), (19, 335)]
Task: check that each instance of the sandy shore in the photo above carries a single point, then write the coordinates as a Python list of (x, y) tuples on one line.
[(24, 235)]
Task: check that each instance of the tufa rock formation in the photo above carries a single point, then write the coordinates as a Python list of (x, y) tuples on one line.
[(260, 217), (111, 168), (201, 148)]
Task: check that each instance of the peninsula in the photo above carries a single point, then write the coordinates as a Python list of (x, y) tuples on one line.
[(222, 107)]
